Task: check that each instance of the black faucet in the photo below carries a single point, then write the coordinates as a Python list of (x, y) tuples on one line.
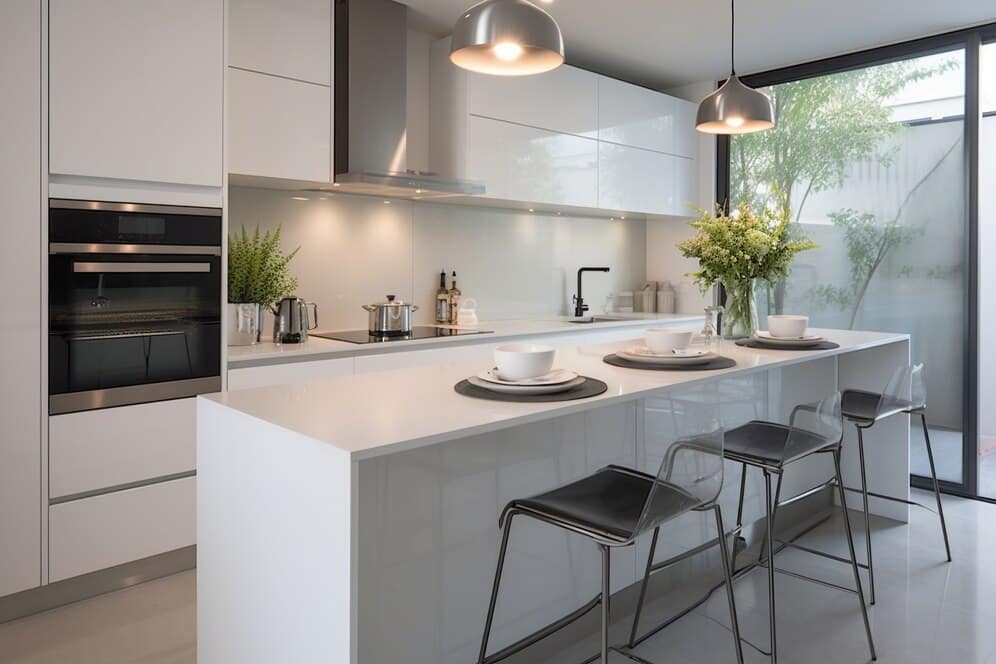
[(579, 306)]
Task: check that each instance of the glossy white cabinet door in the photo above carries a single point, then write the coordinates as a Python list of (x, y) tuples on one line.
[(563, 100), (106, 448), (686, 138), (285, 374), (635, 116), (635, 180), (291, 38), (278, 128), (638, 180), (20, 269), (527, 164), (136, 90), (93, 533)]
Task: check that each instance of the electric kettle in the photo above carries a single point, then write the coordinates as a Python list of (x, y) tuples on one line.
[(290, 321)]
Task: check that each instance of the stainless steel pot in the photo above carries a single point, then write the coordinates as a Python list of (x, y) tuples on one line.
[(391, 317)]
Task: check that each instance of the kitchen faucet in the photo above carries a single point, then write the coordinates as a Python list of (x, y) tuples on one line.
[(579, 306)]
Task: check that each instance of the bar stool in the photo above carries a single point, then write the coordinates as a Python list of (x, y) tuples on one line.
[(813, 429), (904, 393), (613, 507)]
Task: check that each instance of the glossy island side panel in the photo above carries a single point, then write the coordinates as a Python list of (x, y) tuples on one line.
[(398, 548)]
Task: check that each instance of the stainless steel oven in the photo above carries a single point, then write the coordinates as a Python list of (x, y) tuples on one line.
[(134, 303)]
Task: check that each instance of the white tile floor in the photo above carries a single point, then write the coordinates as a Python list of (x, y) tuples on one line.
[(927, 612)]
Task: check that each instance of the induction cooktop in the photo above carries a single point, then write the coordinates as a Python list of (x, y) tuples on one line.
[(418, 332)]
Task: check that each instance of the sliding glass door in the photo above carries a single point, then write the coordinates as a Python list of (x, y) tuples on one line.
[(987, 273), (870, 162)]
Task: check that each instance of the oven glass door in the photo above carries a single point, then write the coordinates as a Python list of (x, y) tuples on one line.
[(123, 320)]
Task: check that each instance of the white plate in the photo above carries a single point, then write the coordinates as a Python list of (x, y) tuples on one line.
[(555, 377), (808, 340), (526, 389), (646, 356)]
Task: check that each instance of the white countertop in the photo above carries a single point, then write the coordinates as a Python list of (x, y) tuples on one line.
[(316, 348), (367, 415)]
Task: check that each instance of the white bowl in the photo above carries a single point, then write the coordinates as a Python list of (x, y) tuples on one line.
[(521, 361), (665, 340), (786, 325)]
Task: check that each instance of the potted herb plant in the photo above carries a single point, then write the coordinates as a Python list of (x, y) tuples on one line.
[(258, 276), (736, 251)]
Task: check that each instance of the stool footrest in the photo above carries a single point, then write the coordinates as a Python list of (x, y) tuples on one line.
[(902, 501)]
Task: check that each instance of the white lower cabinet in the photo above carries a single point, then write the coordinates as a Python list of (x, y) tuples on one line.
[(285, 374), (94, 533), (99, 449)]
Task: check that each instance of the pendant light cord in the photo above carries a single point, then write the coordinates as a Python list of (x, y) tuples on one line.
[(733, 36)]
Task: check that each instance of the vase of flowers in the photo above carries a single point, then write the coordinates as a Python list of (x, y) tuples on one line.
[(258, 276), (736, 251)]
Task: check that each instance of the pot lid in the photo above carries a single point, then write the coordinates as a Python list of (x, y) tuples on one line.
[(392, 301)]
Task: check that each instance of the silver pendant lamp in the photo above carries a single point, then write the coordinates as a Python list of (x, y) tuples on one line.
[(507, 38), (735, 108)]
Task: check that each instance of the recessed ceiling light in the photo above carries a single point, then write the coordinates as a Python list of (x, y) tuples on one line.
[(335, 184), (299, 198), (387, 202), (531, 210)]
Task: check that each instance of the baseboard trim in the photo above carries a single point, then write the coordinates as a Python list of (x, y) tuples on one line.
[(43, 598)]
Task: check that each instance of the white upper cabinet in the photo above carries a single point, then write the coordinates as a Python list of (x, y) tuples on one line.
[(279, 112), (278, 128), (135, 90), (563, 100), (527, 164), (568, 137), (290, 38), (642, 118)]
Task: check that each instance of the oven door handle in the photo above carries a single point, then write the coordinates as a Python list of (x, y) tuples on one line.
[(98, 248), (134, 268)]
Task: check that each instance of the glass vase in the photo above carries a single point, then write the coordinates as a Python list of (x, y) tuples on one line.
[(740, 310)]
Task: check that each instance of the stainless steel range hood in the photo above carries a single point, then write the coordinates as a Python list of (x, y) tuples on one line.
[(370, 142)]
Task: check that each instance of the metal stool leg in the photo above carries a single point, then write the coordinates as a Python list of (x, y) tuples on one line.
[(606, 591), (494, 588), (740, 514), (724, 553), (854, 560), (774, 519), (864, 498), (643, 589), (771, 569), (937, 490)]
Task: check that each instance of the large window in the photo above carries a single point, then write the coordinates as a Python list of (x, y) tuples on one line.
[(987, 275), (870, 163)]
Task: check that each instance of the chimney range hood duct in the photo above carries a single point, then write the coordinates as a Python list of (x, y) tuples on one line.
[(370, 81)]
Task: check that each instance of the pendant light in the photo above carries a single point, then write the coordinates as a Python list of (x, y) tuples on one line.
[(507, 38), (735, 108)]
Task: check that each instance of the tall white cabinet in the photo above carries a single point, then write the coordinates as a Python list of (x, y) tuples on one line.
[(136, 90), (20, 270)]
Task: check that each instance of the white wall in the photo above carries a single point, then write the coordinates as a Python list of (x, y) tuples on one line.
[(357, 249), (664, 263)]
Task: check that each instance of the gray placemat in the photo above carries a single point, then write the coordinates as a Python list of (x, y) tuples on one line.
[(753, 343), (718, 363), (591, 387)]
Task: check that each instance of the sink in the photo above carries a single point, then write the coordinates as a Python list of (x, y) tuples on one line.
[(595, 319)]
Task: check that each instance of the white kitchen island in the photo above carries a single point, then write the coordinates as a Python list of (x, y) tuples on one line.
[(354, 519)]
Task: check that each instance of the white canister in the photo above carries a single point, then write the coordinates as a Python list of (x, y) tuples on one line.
[(666, 298)]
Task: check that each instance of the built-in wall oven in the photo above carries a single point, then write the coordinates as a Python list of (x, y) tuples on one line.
[(134, 303)]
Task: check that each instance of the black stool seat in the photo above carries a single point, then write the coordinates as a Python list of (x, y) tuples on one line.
[(608, 502), (863, 406), (767, 442)]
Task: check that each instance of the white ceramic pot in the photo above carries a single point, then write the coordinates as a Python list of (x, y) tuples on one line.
[(521, 361), (665, 340), (786, 325)]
